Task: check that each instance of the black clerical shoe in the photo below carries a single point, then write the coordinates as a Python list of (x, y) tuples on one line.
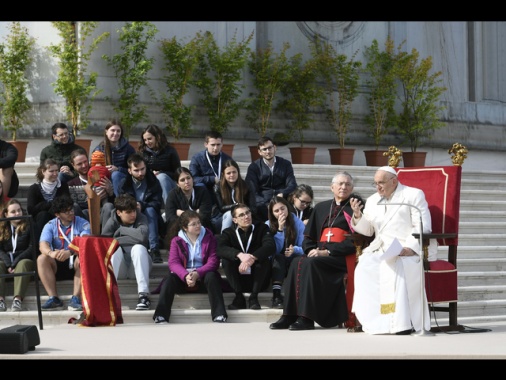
[(302, 324), (253, 302), (277, 302), (405, 332), (283, 323), (239, 302)]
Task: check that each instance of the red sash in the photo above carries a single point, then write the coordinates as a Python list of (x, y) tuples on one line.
[(100, 295), (336, 235)]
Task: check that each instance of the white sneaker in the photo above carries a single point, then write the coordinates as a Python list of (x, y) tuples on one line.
[(220, 319), (16, 305), (160, 320)]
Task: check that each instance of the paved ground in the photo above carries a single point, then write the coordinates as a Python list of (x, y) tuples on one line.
[(233, 341)]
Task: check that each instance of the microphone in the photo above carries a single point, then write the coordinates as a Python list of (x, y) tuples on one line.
[(422, 332)]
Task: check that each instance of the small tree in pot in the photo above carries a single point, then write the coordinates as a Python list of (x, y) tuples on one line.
[(74, 84), (15, 59), (302, 96), (381, 83), (179, 66), (341, 82), (131, 68), (269, 71), (218, 78), (419, 96)]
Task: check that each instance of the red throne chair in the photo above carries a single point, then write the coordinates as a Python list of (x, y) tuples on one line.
[(441, 185)]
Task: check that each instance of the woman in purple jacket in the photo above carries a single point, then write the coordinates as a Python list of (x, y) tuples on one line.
[(193, 266)]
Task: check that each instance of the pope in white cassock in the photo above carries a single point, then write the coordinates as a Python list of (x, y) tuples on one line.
[(388, 297)]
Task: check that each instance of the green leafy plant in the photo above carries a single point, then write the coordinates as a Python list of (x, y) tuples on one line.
[(341, 82), (382, 85), (132, 67), (77, 86), (218, 78), (180, 61), (419, 96), (269, 71), (301, 96), (15, 59)]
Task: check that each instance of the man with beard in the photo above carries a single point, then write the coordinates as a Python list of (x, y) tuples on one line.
[(143, 185)]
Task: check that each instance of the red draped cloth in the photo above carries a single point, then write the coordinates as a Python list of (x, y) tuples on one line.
[(100, 295)]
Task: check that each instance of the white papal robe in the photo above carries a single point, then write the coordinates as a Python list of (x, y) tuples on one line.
[(388, 296)]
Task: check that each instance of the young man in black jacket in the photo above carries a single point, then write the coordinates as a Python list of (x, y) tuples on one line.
[(143, 185)]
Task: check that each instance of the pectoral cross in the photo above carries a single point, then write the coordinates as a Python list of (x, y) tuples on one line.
[(328, 235)]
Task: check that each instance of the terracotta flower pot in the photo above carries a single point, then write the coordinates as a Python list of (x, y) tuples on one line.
[(341, 156), (182, 148), (21, 146), (413, 159), (228, 149), (85, 144), (303, 155), (375, 158), (253, 150)]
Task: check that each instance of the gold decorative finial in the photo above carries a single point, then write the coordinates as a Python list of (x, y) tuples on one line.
[(459, 152), (394, 156)]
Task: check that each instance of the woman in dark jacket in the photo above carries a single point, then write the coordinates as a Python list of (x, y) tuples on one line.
[(184, 197), (42, 193), (117, 149), (16, 253), (231, 190), (161, 157), (8, 176)]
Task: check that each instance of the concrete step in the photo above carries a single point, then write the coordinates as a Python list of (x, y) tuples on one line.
[(485, 264), (485, 278), (481, 292), (469, 312), (476, 252)]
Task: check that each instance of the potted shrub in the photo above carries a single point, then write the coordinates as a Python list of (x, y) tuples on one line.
[(381, 96), (420, 91), (180, 61), (341, 81), (15, 59), (301, 96), (131, 68), (77, 86), (218, 80), (268, 71)]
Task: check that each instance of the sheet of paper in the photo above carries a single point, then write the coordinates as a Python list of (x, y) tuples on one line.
[(392, 251)]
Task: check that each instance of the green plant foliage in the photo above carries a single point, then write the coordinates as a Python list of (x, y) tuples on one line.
[(382, 85), (132, 67), (301, 95), (419, 96), (340, 77), (180, 61), (269, 71), (74, 83), (15, 59), (218, 78)]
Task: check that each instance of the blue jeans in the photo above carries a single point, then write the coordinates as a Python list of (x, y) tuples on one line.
[(117, 178), (167, 184), (153, 218)]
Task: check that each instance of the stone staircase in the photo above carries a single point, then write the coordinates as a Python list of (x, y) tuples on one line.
[(481, 256)]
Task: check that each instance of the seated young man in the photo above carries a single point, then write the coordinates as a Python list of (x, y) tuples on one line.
[(56, 261), (132, 260)]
